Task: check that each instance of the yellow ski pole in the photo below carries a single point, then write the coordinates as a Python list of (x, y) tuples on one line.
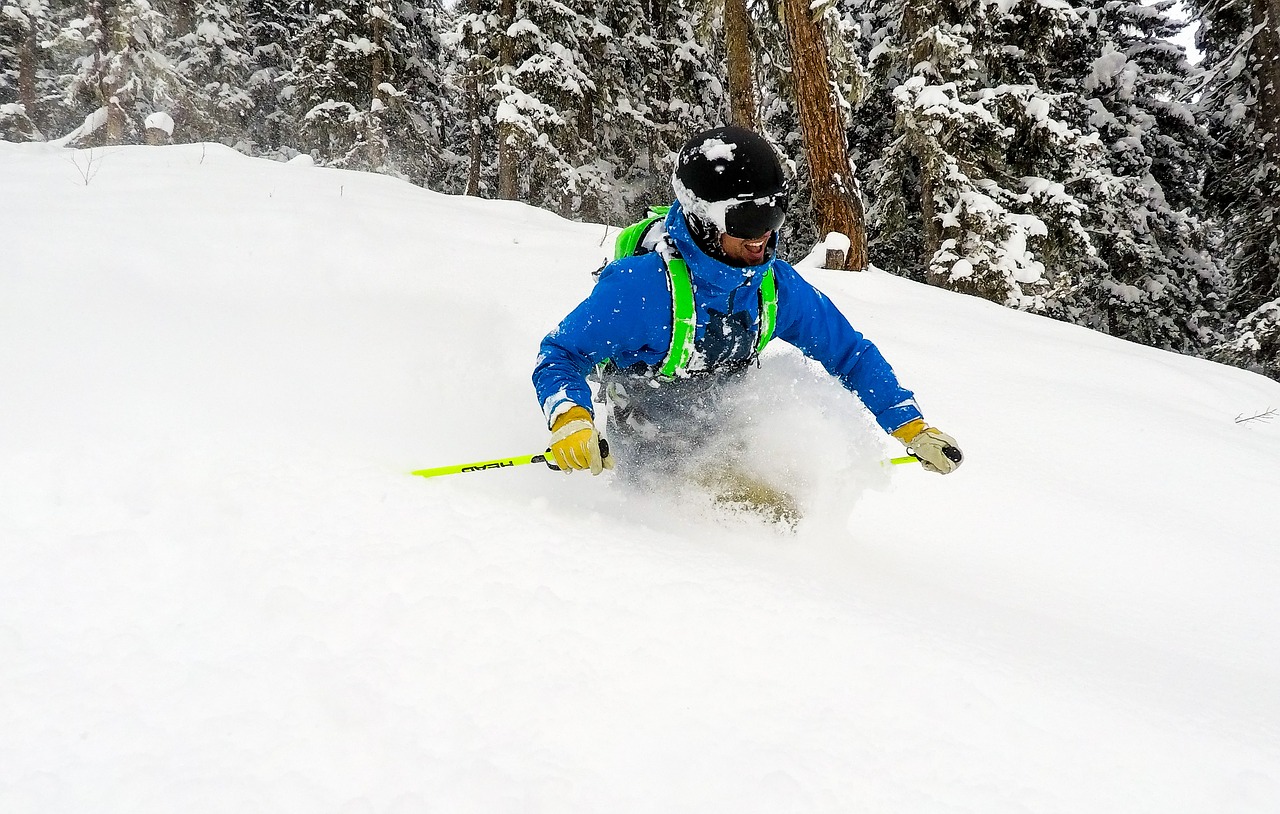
[(542, 458), (480, 466), (500, 463)]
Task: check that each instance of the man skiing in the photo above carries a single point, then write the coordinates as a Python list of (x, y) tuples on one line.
[(663, 366)]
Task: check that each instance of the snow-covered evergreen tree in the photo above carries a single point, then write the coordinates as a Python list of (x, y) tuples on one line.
[(980, 150), (214, 54), (434, 114), (273, 29), (1038, 154), (471, 42), (356, 86), (580, 108), (545, 114), (23, 26), (662, 85), (780, 121), (1255, 342), (1240, 102), (895, 231), (121, 68), (1155, 278), (622, 124)]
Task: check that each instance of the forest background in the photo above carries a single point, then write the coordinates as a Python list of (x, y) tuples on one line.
[(1063, 157)]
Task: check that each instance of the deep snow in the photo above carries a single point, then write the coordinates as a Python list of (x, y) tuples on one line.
[(220, 590)]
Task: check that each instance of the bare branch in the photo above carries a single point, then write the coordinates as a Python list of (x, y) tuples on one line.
[(90, 169), (1263, 417)]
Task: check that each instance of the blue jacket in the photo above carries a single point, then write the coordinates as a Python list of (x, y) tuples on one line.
[(627, 318)]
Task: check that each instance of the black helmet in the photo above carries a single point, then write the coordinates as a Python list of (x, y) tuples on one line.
[(731, 179)]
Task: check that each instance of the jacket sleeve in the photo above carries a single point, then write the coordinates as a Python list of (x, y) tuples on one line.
[(811, 322), (622, 319)]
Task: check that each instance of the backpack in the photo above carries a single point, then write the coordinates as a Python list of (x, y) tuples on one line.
[(630, 241)]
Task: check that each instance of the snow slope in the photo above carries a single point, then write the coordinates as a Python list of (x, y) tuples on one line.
[(221, 592)]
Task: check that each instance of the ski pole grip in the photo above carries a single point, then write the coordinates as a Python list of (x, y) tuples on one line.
[(549, 459)]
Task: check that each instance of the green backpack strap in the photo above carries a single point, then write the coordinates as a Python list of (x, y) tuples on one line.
[(768, 308), (628, 240), (683, 320), (680, 283)]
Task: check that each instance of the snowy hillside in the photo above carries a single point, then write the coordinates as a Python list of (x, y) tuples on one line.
[(220, 590)]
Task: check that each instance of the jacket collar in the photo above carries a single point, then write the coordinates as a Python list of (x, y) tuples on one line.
[(705, 269)]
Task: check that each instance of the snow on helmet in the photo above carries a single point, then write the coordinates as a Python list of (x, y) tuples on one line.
[(731, 178)]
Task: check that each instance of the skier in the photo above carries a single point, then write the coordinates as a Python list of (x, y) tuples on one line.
[(662, 383)]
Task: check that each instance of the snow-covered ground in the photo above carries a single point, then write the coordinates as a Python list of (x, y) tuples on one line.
[(220, 590)]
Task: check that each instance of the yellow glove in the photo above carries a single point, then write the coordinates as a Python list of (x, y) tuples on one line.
[(936, 450), (575, 443)]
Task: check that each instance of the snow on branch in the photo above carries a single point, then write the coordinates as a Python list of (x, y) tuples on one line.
[(91, 124)]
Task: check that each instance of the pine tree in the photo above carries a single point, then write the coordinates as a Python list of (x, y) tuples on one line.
[(1240, 101), (432, 106), (582, 112), (616, 121), (273, 28), (988, 148), (1039, 157), (681, 85), (544, 117), (471, 42), (120, 68), (656, 87), (23, 24), (215, 57), (779, 118), (1155, 278), (894, 227), (357, 80), (836, 198), (740, 65)]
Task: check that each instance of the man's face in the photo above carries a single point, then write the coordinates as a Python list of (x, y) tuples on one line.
[(747, 252)]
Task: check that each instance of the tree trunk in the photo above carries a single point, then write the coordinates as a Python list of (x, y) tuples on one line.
[(659, 16), (737, 38), (836, 204), (932, 227), (917, 15), (27, 72), (377, 153), (589, 199), (116, 120), (508, 155), (114, 41), (508, 176), (184, 18), (472, 95), (476, 154), (1266, 61), (1266, 51)]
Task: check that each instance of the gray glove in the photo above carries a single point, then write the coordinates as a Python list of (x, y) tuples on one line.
[(936, 450)]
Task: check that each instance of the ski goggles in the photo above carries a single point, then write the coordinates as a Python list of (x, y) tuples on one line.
[(755, 218)]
